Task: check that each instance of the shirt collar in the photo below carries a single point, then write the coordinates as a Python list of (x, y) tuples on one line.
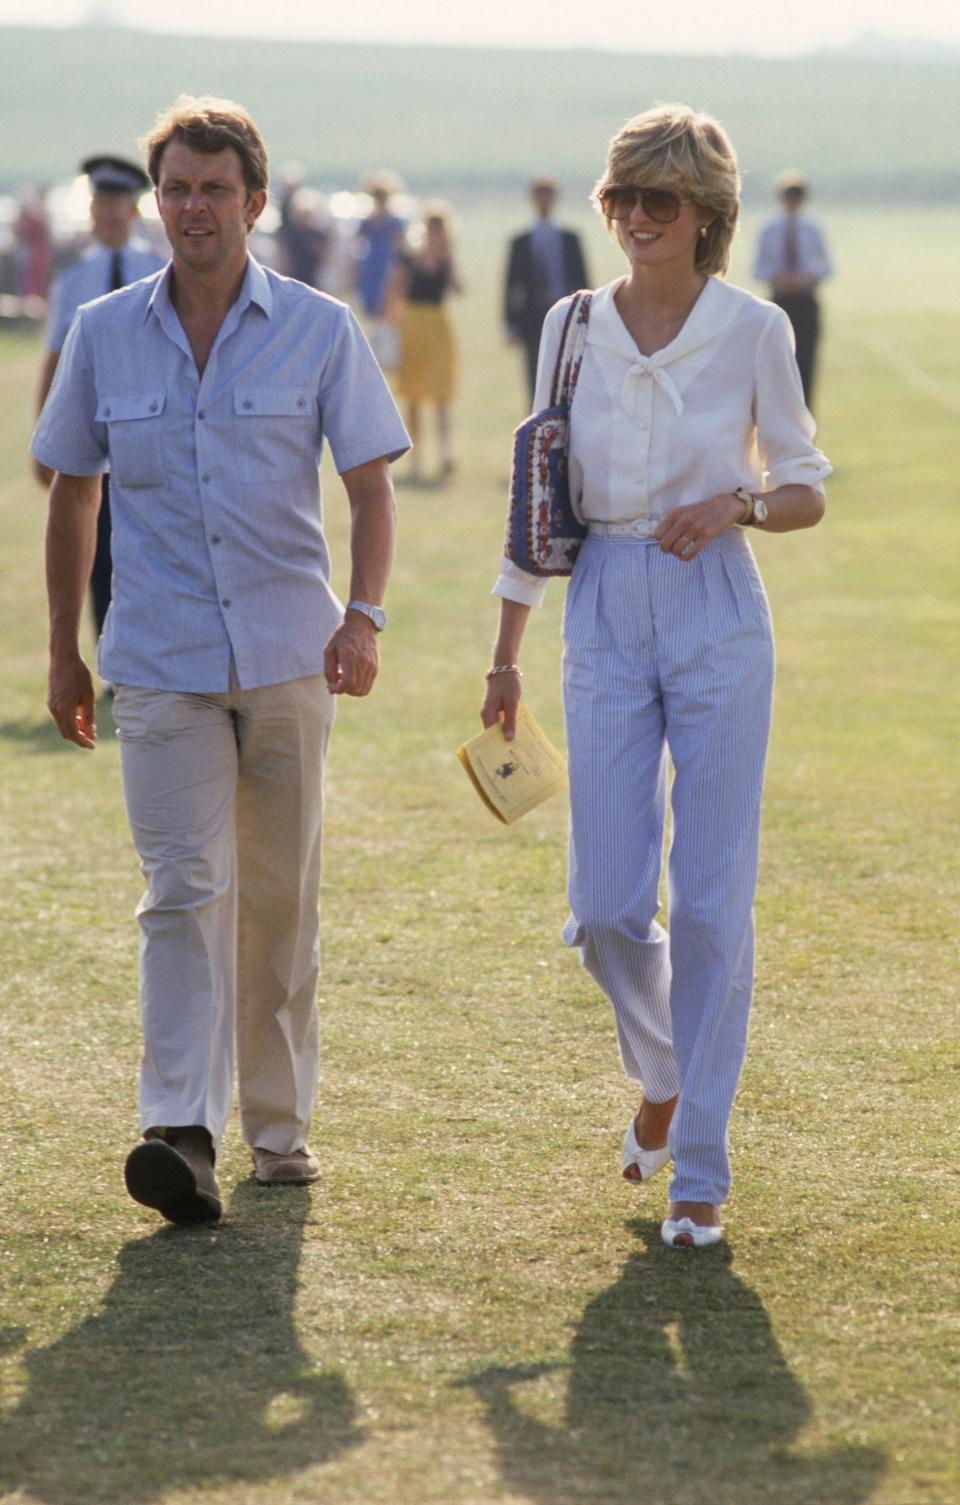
[(713, 311), (255, 288)]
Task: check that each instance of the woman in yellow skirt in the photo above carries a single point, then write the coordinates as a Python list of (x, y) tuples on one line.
[(424, 275)]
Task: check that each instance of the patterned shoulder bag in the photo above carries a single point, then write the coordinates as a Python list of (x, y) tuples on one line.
[(544, 533)]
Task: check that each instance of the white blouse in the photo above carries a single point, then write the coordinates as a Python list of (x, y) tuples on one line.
[(721, 406)]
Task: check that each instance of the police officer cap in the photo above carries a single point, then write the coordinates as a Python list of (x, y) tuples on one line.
[(115, 175)]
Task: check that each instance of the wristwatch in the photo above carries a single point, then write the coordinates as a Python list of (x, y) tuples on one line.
[(376, 614), (756, 513)]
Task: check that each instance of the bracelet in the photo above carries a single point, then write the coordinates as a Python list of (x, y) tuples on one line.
[(505, 669)]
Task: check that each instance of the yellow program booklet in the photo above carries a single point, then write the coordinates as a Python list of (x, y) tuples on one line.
[(513, 777)]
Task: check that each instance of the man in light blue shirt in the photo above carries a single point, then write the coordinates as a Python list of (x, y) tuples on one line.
[(792, 257), (209, 390), (118, 257)]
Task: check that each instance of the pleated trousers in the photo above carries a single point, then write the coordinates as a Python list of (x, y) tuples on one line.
[(670, 662), (224, 795)]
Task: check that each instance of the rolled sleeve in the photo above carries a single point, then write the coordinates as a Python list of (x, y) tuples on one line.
[(67, 436), (785, 428), (359, 415), (514, 584)]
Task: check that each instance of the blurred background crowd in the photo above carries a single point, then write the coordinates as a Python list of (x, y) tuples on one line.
[(322, 236)]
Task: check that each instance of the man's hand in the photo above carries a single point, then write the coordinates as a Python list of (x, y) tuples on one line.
[(71, 541), (71, 701), (352, 657), (793, 282)]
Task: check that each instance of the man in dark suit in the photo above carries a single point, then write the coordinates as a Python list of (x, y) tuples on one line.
[(545, 263)]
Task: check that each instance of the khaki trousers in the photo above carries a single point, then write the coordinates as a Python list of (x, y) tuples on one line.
[(224, 795)]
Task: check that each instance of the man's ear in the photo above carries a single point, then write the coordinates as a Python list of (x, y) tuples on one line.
[(256, 203)]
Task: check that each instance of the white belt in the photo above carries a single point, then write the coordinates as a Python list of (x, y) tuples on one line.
[(641, 527)]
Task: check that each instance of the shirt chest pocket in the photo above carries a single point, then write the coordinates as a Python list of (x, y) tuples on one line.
[(135, 432), (277, 431)]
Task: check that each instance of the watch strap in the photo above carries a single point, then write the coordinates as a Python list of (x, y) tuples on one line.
[(376, 614), (749, 501)]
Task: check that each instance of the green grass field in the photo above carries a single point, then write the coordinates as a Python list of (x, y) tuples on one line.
[(471, 1306)]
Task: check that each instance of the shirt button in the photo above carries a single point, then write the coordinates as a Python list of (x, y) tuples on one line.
[(247, 404), (215, 538), (201, 414), (301, 402), (205, 478), (154, 406), (106, 412), (225, 601)]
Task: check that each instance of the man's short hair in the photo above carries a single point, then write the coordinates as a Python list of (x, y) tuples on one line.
[(792, 182), (209, 125)]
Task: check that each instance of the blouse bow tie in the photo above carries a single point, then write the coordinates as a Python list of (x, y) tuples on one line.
[(640, 372)]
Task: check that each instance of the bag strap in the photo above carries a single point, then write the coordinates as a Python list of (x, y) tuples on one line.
[(570, 353)]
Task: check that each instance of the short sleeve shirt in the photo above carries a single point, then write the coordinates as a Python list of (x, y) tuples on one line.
[(218, 545), (812, 259), (90, 278)]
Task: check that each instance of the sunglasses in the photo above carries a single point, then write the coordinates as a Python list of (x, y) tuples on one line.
[(661, 205)]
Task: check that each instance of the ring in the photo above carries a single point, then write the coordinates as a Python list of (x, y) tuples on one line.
[(688, 544)]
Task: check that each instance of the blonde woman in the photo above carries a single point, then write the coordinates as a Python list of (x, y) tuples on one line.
[(425, 274), (688, 429)]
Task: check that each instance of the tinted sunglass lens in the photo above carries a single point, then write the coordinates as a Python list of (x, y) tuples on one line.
[(617, 203), (661, 205)]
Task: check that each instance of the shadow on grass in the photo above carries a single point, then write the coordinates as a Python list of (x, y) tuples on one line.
[(677, 1391), (189, 1374), (42, 736), (37, 736)]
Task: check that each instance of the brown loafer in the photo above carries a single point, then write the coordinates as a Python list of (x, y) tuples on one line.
[(173, 1171), (295, 1169)]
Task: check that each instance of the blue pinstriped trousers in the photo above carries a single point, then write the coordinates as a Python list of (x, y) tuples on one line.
[(670, 661)]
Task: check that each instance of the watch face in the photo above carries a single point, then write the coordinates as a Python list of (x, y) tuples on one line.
[(759, 510)]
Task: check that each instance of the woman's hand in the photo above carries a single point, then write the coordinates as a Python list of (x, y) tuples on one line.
[(686, 530), (502, 700)]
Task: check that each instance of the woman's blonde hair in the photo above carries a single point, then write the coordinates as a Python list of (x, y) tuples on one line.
[(672, 146)]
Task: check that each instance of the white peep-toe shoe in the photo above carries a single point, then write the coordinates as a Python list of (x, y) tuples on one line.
[(648, 1161), (684, 1232)]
